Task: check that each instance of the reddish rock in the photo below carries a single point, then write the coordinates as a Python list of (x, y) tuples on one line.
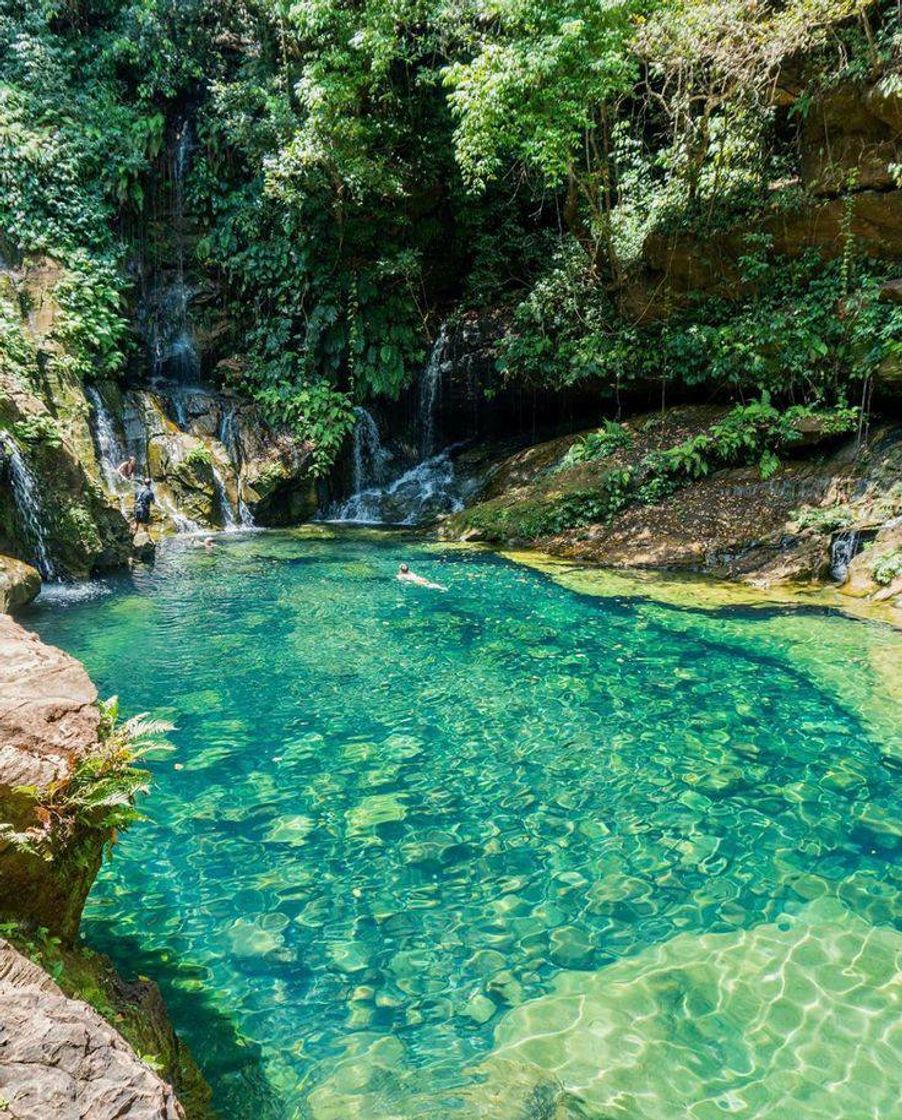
[(48, 723)]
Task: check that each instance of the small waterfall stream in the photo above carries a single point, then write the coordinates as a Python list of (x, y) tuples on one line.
[(167, 312), (424, 490), (429, 393), (111, 450), (230, 518), (843, 550), (28, 502), (228, 437)]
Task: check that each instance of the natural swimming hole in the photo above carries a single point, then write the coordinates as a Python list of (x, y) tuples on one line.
[(509, 851)]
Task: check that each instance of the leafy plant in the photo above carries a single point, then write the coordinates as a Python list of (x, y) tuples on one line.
[(101, 792), (597, 445), (39, 428), (887, 567)]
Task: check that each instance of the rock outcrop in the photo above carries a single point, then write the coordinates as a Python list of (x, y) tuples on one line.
[(731, 524), (19, 583), (44, 416), (48, 724), (59, 1059), (848, 146)]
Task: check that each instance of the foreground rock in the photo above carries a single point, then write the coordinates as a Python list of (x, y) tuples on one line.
[(48, 725), (19, 583), (60, 1059)]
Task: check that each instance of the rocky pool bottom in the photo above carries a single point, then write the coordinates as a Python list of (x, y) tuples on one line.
[(513, 850)]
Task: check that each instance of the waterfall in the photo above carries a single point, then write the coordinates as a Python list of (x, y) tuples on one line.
[(369, 457), (173, 352), (111, 450), (424, 490), (843, 549), (28, 503), (429, 387), (226, 509), (227, 435)]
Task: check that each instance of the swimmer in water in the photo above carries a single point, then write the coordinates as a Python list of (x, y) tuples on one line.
[(405, 575)]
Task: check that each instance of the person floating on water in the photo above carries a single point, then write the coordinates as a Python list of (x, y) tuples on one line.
[(208, 543), (405, 575), (127, 469), (144, 499)]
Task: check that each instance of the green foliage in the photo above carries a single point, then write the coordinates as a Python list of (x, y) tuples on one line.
[(40, 428), (801, 330), (360, 167), (824, 519), (198, 457), (320, 415), (597, 445), (101, 791), (751, 433), (887, 567)]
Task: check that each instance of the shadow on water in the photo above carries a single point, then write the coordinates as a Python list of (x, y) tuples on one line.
[(233, 1065)]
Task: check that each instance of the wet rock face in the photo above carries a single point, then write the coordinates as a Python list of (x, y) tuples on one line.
[(19, 583), (60, 1059), (48, 723), (44, 410)]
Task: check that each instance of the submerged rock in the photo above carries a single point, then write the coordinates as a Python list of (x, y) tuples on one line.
[(797, 1017), (59, 1059)]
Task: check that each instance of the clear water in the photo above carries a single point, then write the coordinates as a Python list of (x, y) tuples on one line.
[(507, 851)]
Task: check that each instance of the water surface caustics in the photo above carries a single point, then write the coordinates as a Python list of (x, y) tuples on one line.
[(507, 851)]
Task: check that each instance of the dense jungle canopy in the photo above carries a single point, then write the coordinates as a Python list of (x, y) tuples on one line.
[(361, 170)]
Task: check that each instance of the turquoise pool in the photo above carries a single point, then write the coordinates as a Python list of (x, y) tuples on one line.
[(506, 851)]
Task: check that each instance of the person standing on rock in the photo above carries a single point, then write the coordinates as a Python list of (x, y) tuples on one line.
[(144, 499)]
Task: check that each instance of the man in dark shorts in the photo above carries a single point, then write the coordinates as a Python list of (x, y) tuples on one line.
[(144, 499)]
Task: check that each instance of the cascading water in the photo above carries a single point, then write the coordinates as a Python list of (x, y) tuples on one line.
[(369, 456), (26, 495), (111, 450), (426, 489), (230, 520), (167, 318), (428, 395), (843, 550), (228, 437)]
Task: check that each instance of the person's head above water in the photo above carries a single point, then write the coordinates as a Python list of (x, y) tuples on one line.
[(404, 568), (148, 482)]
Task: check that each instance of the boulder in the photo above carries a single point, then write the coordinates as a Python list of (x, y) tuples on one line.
[(19, 583), (49, 722), (60, 1059), (144, 547)]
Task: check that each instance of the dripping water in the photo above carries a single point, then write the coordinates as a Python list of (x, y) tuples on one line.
[(26, 496), (843, 550), (111, 450), (429, 393), (173, 352)]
